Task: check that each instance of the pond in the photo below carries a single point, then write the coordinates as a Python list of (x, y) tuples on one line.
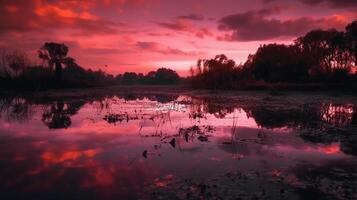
[(248, 145)]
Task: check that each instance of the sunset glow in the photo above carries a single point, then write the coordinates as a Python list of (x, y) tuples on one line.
[(142, 35)]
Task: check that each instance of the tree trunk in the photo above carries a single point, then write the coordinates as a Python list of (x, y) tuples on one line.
[(58, 71)]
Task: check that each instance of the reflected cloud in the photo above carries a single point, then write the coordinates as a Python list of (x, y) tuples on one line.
[(90, 150)]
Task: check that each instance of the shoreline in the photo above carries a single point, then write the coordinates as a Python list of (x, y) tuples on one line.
[(176, 90)]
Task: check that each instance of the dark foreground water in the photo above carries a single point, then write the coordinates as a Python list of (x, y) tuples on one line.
[(179, 146)]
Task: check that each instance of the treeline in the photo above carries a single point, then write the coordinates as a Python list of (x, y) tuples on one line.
[(61, 71), (320, 57), (162, 76)]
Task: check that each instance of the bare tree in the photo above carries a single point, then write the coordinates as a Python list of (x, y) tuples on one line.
[(12, 63), (17, 62)]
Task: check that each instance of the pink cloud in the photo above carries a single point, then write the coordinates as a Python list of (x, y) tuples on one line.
[(122, 35), (258, 25), (156, 47)]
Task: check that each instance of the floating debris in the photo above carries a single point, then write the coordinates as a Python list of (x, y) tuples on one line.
[(114, 118), (203, 138), (196, 131), (173, 142), (145, 154), (227, 143), (191, 130)]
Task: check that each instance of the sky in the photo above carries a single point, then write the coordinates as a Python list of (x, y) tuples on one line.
[(142, 35)]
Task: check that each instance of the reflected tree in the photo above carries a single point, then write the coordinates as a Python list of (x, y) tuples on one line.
[(215, 106), (348, 145), (58, 115), (163, 98), (272, 117), (15, 109), (334, 179)]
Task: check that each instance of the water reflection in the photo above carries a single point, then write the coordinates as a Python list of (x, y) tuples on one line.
[(338, 114), (15, 109), (58, 114), (131, 145)]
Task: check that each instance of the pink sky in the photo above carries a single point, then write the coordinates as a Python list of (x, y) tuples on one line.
[(142, 35)]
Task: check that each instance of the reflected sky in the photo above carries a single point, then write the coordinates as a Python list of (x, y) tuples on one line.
[(119, 146)]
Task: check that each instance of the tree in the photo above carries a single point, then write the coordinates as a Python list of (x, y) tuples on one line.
[(166, 76), (130, 78), (54, 54), (4, 72), (17, 62), (325, 50), (12, 63), (215, 73), (70, 62), (351, 34), (278, 63)]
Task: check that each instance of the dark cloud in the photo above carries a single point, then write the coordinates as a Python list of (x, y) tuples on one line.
[(203, 32), (148, 45), (328, 3), (156, 47), (158, 34), (185, 26), (259, 25), (332, 3), (176, 25), (105, 51), (192, 16)]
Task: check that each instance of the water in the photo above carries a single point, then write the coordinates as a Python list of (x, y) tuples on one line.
[(179, 146)]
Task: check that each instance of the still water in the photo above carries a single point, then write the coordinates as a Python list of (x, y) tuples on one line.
[(179, 146)]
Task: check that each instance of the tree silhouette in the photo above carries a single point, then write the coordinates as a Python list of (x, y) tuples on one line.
[(216, 73), (54, 54), (279, 63), (130, 78), (325, 50), (12, 63), (17, 62), (163, 76), (351, 34)]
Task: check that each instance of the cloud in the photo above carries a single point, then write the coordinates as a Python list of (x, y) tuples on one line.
[(186, 26), (122, 2), (268, 1), (328, 3), (159, 34), (148, 45), (24, 16), (258, 25), (102, 3), (203, 32), (156, 47), (192, 16), (105, 51), (177, 25), (332, 3)]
